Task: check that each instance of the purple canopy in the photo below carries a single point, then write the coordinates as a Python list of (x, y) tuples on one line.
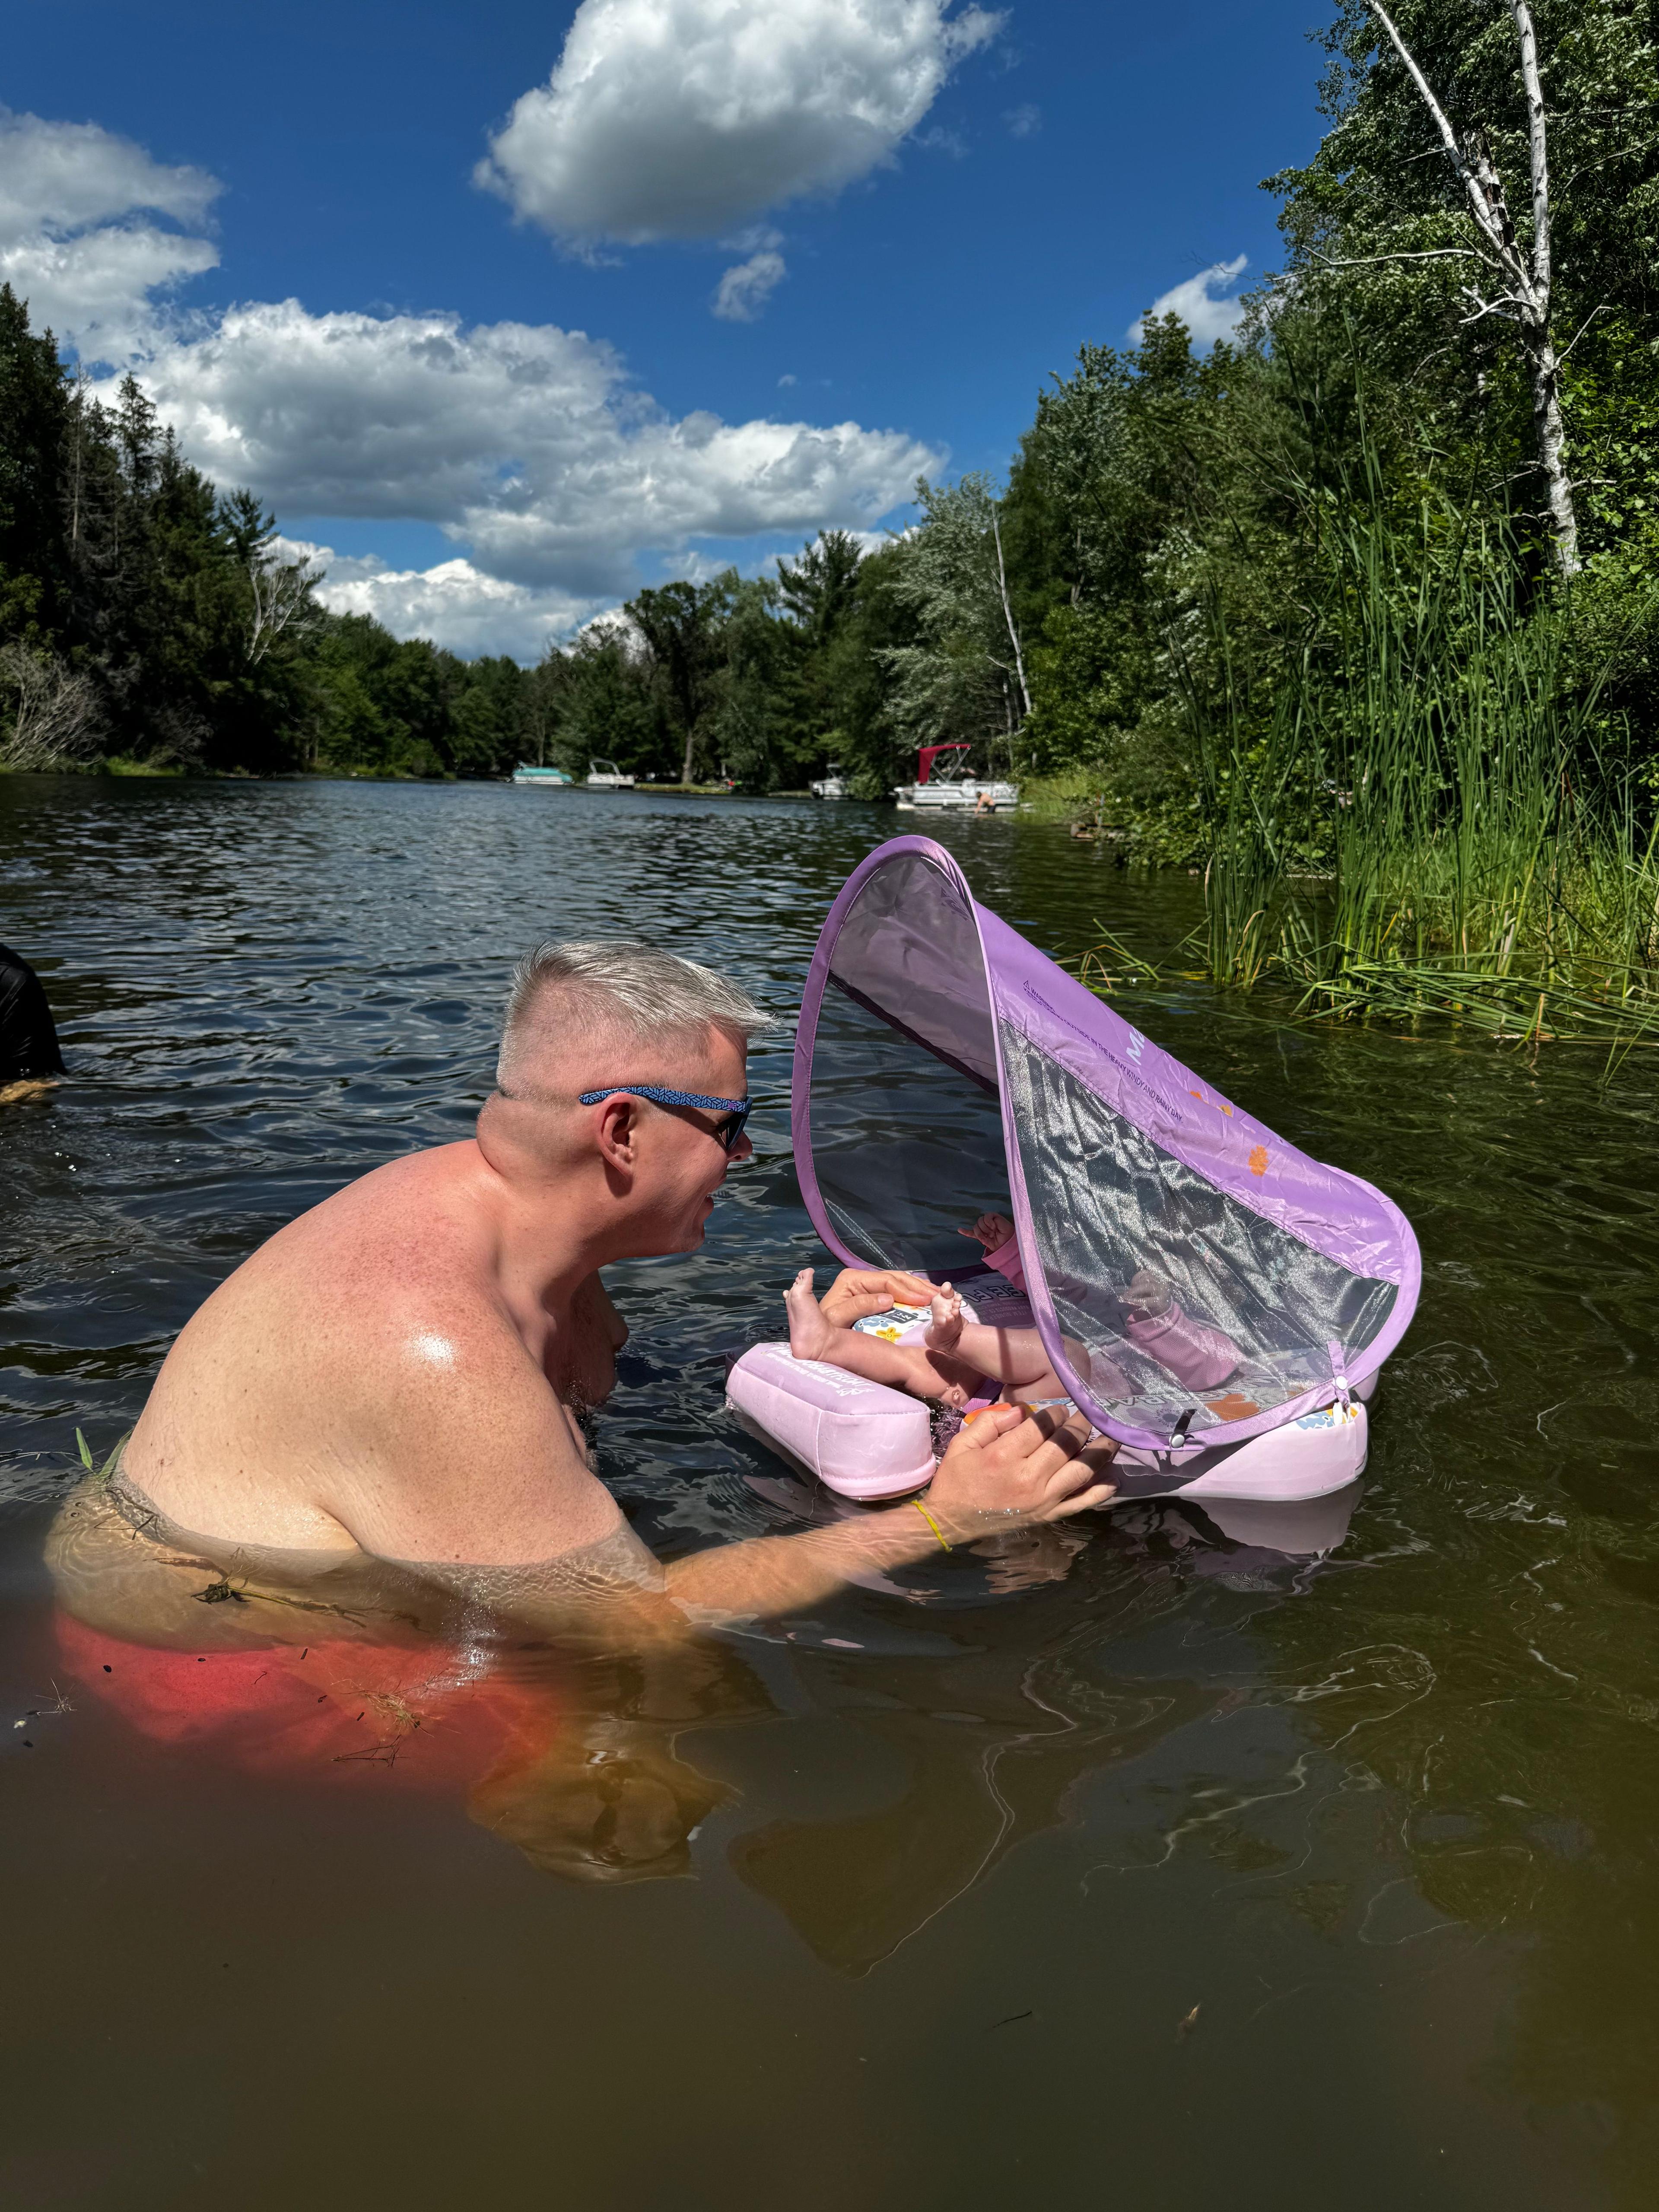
[(944, 1068)]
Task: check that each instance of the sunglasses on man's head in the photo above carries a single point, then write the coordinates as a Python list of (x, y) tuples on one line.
[(735, 1111)]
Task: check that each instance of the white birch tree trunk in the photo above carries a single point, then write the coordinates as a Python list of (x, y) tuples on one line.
[(1529, 280), (1008, 617), (1541, 357)]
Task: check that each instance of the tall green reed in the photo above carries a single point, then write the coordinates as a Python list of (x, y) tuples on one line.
[(1423, 820)]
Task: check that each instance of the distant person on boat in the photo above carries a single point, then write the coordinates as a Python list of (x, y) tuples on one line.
[(30, 1058), (404, 1371)]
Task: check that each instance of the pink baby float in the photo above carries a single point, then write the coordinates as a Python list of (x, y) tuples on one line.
[(941, 1061)]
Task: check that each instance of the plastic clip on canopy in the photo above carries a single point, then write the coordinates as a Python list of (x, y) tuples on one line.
[(942, 1062)]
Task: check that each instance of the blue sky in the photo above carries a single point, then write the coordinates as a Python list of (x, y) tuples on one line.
[(930, 207)]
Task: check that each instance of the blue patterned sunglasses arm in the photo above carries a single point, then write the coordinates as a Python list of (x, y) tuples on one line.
[(736, 1110), (660, 1098)]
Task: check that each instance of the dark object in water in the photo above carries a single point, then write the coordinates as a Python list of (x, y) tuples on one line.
[(28, 1038)]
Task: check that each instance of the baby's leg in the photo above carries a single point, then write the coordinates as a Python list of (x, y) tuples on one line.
[(912, 1367), (1016, 1357), (1019, 1359)]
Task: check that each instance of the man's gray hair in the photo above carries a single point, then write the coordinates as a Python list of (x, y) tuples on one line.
[(621, 985)]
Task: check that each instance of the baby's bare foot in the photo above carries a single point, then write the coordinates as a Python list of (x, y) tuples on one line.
[(944, 1329), (809, 1332)]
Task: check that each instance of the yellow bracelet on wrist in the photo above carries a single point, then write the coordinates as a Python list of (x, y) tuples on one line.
[(933, 1524)]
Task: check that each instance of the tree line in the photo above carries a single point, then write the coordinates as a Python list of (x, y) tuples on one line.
[(145, 619), (1459, 349)]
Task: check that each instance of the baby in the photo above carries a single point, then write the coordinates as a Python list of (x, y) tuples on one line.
[(1195, 1352), (952, 1358), (955, 1354)]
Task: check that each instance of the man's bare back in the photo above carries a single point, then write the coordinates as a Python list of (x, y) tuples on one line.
[(401, 1370), (377, 1376)]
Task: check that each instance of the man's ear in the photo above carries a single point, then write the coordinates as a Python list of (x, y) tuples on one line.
[(618, 1131)]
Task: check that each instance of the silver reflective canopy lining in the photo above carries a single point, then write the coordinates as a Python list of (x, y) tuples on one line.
[(908, 1142), (1106, 1202)]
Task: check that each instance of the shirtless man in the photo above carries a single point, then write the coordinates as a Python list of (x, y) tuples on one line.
[(398, 1373)]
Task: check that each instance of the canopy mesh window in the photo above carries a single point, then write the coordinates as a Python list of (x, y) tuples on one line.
[(1187, 1269)]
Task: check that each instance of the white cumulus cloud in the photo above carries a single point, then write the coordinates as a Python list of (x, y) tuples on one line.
[(62, 176), (1201, 304), (744, 291), (96, 291), (455, 604), (77, 238), (678, 118), (528, 445), (525, 440)]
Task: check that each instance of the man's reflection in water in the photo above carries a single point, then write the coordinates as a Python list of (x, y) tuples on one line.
[(994, 1736), (608, 1798), (318, 1668)]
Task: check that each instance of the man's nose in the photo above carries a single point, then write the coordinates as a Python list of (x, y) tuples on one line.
[(743, 1150)]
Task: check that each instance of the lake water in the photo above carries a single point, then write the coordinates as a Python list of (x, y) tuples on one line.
[(1141, 1866)]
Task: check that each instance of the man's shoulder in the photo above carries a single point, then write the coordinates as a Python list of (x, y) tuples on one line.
[(417, 1221), (364, 1364), (390, 1280), (407, 1325), (440, 1189)]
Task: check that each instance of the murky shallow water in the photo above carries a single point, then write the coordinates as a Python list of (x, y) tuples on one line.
[(964, 1857)]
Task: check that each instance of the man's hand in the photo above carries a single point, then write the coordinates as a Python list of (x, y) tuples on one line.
[(859, 1291), (1008, 1462), (1007, 1470)]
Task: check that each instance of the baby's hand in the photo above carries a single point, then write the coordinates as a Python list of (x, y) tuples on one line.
[(1148, 1295), (990, 1230)]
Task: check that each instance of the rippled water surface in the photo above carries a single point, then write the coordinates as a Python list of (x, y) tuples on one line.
[(1143, 1865)]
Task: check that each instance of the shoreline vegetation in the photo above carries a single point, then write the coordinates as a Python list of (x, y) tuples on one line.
[(1356, 616), (176, 772)]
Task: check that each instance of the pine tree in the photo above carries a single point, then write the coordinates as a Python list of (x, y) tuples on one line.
[(34, 410)]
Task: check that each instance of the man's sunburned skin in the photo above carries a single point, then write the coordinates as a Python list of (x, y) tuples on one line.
[(354, 1334), (118, 1566), (400, 1373)]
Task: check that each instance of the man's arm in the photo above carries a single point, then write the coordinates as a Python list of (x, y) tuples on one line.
[(1005, 1469), (477, 1483)]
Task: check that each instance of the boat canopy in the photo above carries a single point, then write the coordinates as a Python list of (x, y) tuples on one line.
[(945, 1068), (928, 753)]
